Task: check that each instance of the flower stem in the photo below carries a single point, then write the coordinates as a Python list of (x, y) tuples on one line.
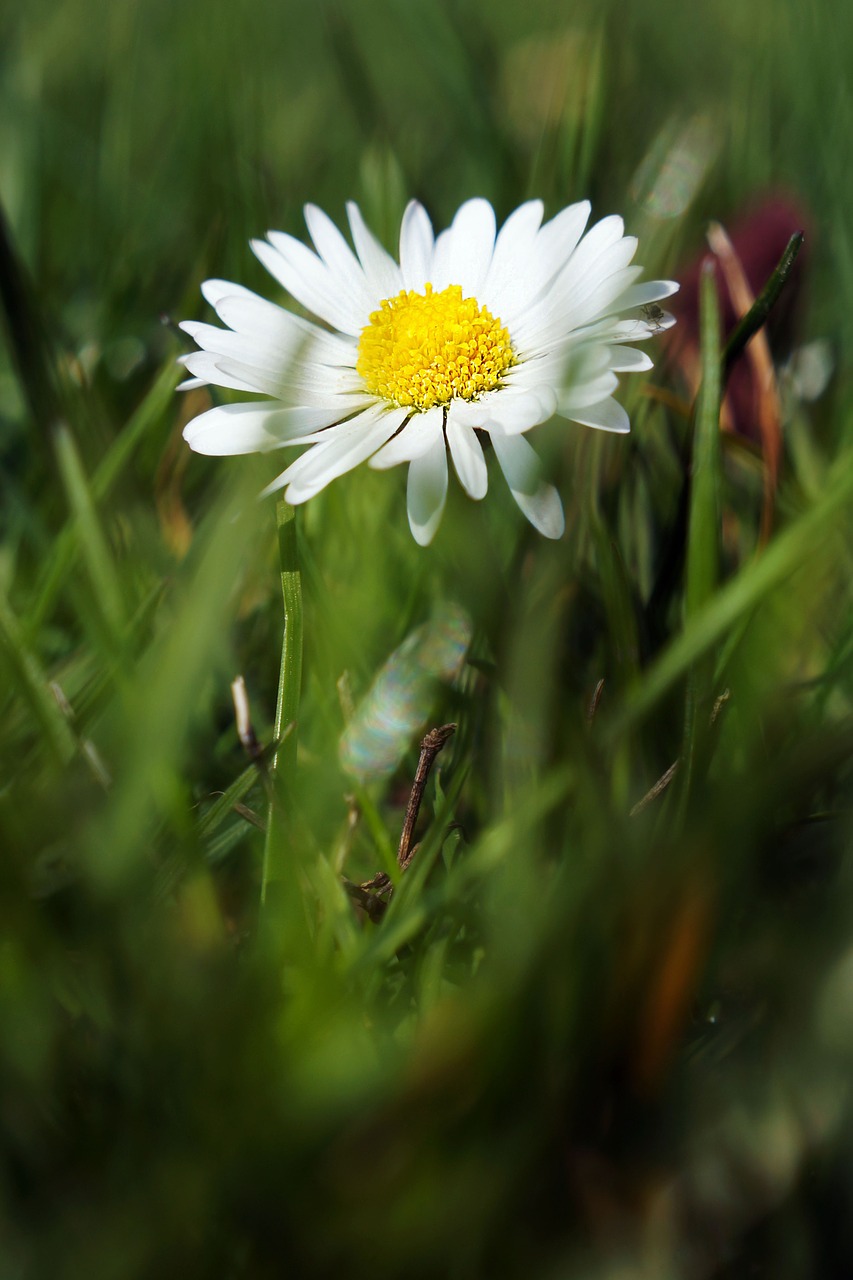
[(283, 762)]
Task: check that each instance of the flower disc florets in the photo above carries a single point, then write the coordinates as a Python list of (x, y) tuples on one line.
[(422, 349)]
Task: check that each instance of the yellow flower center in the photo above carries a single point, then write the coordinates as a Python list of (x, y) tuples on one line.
[(422, 349)]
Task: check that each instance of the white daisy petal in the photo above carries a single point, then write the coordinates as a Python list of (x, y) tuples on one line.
[(426, 492), (345, 447), (579, 395), (607, 415), (548, 318), (308, 384), (203, 364), (463, 254), (418, 435), (467, 454), (337, 255), (439, 271), (539, 501), (588, 299), (275, 357), (512, 273), (384, 277), (231, 429), (541, 373), (257, 317), (579, 282), (266, 323), (636, 330), (600, 237), (213, 291), (593, 297), (318, 384), (275, 365), (306, 278), (559, 238), (602, 251), (629, 360), (511, 411), (649, 291), (416, 246), (585, 362), (340, 413)]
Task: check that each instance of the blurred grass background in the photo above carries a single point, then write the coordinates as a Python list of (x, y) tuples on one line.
[(593, 1036)]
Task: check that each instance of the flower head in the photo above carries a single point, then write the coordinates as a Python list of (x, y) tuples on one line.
[(476, 332)]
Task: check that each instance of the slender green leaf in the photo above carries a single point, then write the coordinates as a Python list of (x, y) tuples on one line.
[(97, 556), (119, 455), (283, 764), (223, 805), (32, 685), (764, 303), (703, 536), (789, 553)]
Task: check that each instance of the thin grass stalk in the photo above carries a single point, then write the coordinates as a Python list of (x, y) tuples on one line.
[(703, 536), (283, 762)]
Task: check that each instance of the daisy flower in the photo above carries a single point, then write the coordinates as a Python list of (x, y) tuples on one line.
[(474, 333)]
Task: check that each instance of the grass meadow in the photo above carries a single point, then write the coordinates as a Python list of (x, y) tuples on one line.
[(602, 1028)]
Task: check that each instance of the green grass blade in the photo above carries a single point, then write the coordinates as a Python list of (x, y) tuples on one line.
[(703, 536), (97, 556), (162, 707), (788, 554), (118, 456), (223, 805), (761, 308), (283, 764), (29, 343), (32, 685), (703, 529)]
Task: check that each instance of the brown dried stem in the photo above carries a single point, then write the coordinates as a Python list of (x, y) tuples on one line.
[(373, 895)]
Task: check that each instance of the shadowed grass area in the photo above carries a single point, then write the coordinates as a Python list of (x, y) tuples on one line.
[(604, 1025)]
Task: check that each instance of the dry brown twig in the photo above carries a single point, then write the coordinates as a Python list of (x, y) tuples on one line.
[(373, 895)]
